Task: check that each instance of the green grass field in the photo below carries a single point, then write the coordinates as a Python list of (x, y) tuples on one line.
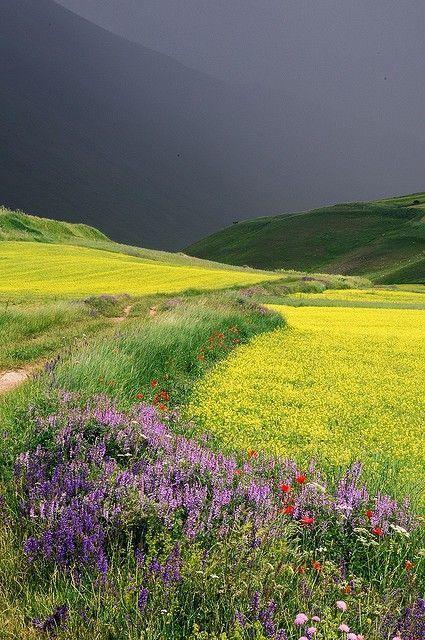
[(384, 240), (32, 332)]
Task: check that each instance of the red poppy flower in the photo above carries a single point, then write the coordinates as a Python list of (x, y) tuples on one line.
[(154, 383), (300, 478), (301, 569), (408, 565), (347, 589), (369, 513), (140, 396), (156, 398), (378, 531), (165, 396), (285, 488), (316, 565), (162, 407), (252, 453), (238, 472), (289, 510), (307, 520)]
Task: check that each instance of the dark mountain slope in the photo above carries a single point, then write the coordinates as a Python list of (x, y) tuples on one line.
[(383, 239), (99, 129), (96, 129)]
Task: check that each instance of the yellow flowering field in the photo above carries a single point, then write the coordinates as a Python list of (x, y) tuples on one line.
[(337, 383), (58, 269), (376, 295)]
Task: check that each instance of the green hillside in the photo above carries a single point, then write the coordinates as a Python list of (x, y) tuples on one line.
[(384, 240), (15, 225)]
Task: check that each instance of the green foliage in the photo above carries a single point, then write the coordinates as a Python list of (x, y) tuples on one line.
[(108, 305), (173, 347), (384, 240), (35, 331)]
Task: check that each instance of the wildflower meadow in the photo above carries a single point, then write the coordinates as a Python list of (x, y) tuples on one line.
[(338, 384), (215, 470)]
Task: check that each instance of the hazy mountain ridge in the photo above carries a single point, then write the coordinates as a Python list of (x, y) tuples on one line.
[(88, 131)]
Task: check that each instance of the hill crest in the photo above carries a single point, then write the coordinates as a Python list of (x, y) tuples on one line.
[(382, 239)]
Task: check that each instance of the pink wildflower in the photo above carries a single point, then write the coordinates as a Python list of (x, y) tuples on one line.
[(342, 606), (300, 619), (344, 627), (312, 630)]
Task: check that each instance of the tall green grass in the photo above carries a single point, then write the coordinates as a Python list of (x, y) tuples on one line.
[(32, 332), (164, 348)]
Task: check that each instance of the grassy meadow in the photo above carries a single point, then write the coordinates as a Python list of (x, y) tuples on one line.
[(29, 333), (383, 240), (209, 452)]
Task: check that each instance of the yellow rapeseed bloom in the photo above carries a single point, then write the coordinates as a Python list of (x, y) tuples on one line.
[(52, 269), (336, 383)]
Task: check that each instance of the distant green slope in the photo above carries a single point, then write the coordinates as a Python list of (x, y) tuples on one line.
[(15, 225), (384, 240), (19, 226)]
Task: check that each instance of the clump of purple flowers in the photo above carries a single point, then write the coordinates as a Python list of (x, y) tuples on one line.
[(264, 614), (52, 623), (411, 626), (107, 476)]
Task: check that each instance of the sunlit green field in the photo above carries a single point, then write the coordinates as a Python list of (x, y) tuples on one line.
[(337, 384), (29, 268)]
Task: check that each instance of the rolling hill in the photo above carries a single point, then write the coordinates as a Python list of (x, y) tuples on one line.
[(17, 226), (383, 239), (47, 258)]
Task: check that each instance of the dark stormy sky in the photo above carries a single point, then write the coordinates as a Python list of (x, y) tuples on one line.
[(259, 107), (366, 58)]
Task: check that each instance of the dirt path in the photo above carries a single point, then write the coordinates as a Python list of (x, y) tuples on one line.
[(12, 378), (125, 314)]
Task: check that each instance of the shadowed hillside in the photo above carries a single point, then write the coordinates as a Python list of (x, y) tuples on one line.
[(384, 239), (100, 130)]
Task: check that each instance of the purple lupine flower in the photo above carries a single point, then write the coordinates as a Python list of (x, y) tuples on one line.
[(107, 468), (53, 622), (266, 617), (240, 619), (411, 625), (255, 602), (142, 598)]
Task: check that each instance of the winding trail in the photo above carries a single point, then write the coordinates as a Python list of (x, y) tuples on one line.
[(13, 378)]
